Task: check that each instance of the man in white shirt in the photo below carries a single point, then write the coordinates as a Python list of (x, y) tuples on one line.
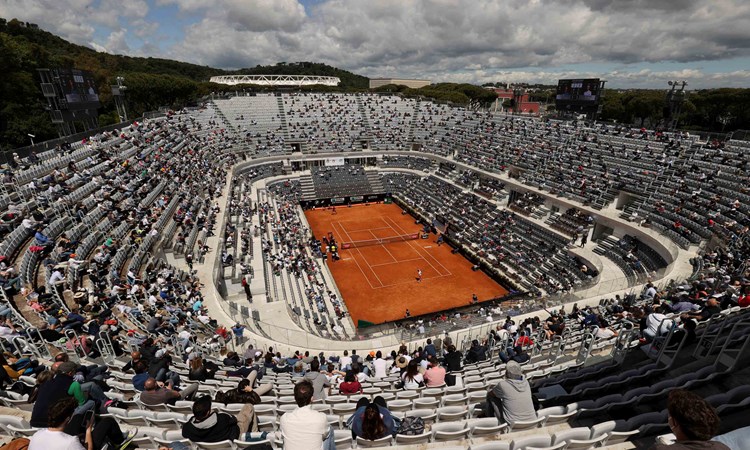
[(345, 362), (54, 437), (380, 366), (305, 428)]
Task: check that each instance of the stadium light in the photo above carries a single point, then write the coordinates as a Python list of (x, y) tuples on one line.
[(32, 138)]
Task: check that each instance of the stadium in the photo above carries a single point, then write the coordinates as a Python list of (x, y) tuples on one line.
[(285, 261)]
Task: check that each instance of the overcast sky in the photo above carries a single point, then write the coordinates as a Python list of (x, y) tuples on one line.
[(630, 43)]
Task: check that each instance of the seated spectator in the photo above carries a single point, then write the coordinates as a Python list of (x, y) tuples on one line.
[(156, 393), (159, 368), (411, 379), (64, 427), (517, 354), (305, 428), (208, 425), (693, 422), (201, 370), (453, 359), (476, 353), (380, 366), (605, 331), (350, 385), (372, 420), (434, 376), (243, 393), (523, 340), (710, 309), (738, 439), (683, 305), (359, 371), (318, 380), (141, 375), (54, 437), (510, 400), (653, 324)]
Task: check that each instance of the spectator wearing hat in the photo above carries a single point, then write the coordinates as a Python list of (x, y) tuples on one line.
[(510, 400)]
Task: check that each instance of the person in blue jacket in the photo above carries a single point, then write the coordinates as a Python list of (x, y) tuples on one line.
[(372, 420)]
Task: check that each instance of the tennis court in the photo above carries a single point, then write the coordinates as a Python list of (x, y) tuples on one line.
[(381, 255)]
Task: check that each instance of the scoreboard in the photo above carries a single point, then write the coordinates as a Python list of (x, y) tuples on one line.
[(581, 95), (78, 89)]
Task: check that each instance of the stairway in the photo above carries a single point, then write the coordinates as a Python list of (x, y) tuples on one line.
[(376, 184), (413, 124), (282, 114), (307, 187), (365, 120), (608, 243)]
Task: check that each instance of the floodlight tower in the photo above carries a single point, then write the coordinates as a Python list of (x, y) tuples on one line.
[(675, 99), (118, 94)]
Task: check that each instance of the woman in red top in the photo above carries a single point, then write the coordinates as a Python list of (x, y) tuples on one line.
[(350, 385)]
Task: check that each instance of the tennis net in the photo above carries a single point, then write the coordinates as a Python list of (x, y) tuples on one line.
[(382, 241)]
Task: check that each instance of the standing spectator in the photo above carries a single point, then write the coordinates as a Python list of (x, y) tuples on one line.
[(246, 287), (305, 428), (238, 331)]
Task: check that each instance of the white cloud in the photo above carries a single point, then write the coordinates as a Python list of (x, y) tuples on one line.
[(472, 41)]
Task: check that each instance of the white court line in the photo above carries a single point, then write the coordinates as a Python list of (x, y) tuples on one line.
[(388, 251), (420, 254), (410, 281), (333, 225), (363, 257), (370, 229), (396, 262)]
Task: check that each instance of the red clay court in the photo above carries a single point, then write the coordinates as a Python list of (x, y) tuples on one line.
[(378, 282)]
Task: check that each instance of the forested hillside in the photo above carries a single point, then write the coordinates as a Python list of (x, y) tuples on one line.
[(154, 83)]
